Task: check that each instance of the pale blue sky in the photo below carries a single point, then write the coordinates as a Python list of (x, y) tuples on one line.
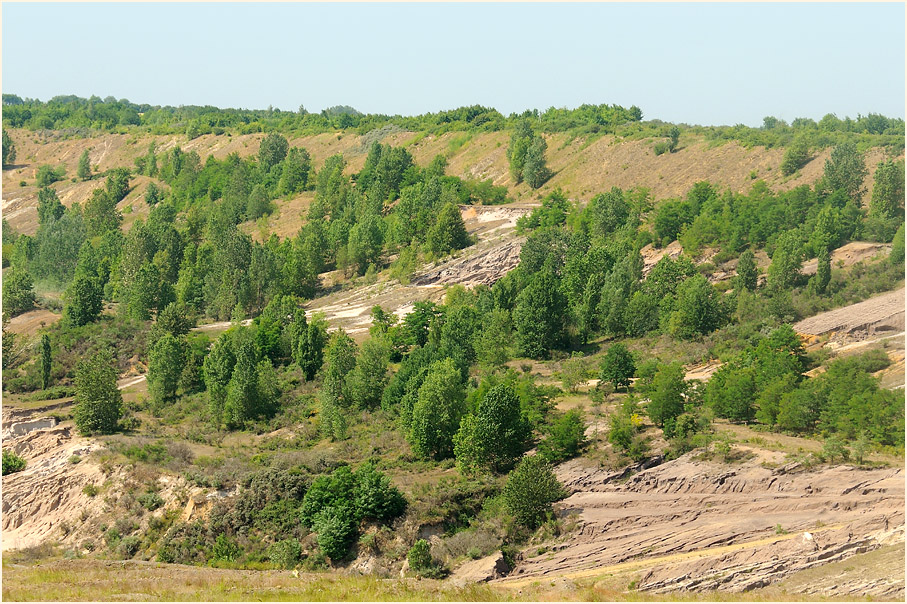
[(693, 63)]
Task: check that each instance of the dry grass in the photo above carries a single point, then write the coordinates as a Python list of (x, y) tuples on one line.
[(57, 579)]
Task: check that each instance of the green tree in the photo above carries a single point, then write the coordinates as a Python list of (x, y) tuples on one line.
[(823, 271), (530, 490), (845, 170), (336, 393), (449, 232), (491, 344), (259, 204), (747, 272), (566, 437), (117, 184), (49, 206), (795, 156), (618, 366), (153, 195), (243, 402), (46, 361), (9, 150), (83, 300), (218, 369), (144, 295), (520, 140), (295, 174), (888, 190), (698, 308), (309, 352), (535, 170), (666, 395), (48, 175), (84, 169), (732, 391), (786, 261), (101, 213), (98, 403), (494, 436), (165, 366), (369, 378), (365, 243), (18, 292), (272, 151), (539, 316), (437, 411)]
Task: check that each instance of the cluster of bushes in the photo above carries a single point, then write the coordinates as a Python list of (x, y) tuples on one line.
[(279, 516)]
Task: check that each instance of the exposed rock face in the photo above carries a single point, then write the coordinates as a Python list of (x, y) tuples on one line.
[(696, 525), (482, 570), (45, 498), (483, 267)]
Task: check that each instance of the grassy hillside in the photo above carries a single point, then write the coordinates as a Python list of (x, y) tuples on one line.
[(371, 347)]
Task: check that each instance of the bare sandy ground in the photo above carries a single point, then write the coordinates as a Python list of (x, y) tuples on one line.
[(878, 316), (692, 524)]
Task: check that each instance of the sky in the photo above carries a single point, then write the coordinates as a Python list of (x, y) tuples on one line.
[(709, 64)]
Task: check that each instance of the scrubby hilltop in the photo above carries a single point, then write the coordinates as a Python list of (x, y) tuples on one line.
[(570, 345)]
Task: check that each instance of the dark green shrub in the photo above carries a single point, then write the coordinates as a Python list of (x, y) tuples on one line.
[(12, 462), (285, 554), (336, 528), (566, 437), (421, 561), (376, 498), (530, 490), (225, 549)]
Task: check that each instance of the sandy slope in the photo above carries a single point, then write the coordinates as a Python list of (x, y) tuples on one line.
[(695, 525)]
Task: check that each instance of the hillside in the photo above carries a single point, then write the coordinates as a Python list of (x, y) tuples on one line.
[(582, 167), (651, 375)]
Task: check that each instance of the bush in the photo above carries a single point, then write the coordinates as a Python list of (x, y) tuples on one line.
[(376, 498), (150, 501), (12, 462), (336, 528), (285, 554), (48, 175), (421, 561), (128, 547), (225, 549), (530, 490), (566, 437)]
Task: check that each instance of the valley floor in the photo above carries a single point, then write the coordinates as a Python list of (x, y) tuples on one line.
[(98, 580)]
